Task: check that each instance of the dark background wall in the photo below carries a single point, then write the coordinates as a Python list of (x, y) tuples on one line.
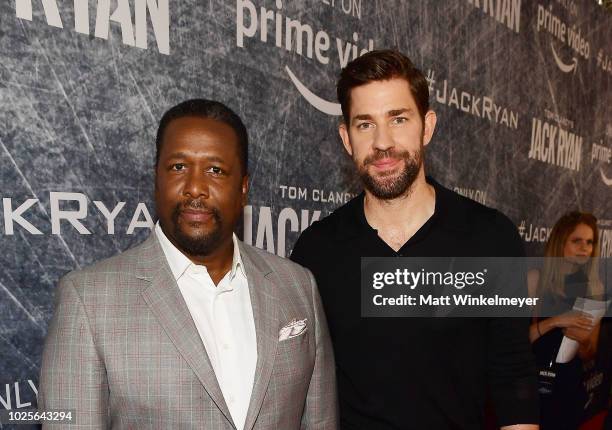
[(82, 90)]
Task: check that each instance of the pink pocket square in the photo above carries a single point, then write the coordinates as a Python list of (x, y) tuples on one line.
[(293, 329)]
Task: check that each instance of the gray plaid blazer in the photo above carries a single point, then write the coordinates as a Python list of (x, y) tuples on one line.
[(123, 352)]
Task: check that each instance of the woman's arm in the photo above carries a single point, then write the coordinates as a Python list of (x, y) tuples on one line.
[(539, 328), (588, 348)]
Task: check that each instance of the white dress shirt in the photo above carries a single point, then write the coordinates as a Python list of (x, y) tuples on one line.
[(223, 316)]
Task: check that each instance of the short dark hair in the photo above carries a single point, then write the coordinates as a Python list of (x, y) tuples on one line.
[(382, 65), (202, 108)]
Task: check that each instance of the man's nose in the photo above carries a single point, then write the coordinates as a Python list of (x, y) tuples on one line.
[(383, 140), (196, 185)]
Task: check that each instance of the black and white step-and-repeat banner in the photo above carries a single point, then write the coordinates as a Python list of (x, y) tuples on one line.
[(522, 90)]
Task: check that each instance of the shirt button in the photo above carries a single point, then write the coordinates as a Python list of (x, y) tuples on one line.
[(225, 347), (230, 400)]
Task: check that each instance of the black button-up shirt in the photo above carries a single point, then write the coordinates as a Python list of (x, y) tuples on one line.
[(420, 373)]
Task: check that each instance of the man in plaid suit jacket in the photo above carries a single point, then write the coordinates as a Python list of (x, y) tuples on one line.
[(132, 344)]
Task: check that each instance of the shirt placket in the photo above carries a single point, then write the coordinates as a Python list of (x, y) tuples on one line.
[(223, 336)]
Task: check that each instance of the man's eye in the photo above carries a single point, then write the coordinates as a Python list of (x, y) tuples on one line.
[(365, 126), (177, 166), (399, 120), (215, 170)]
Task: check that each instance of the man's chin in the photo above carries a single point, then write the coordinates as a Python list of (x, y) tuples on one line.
[(387, 186), (386, 177), (196, 240), (391, 183), (194, 227)]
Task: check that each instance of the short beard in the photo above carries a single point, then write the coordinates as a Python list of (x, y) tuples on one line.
[(202, 244), (392, 187)]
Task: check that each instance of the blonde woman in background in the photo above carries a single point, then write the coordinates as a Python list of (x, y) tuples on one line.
[(570, 271)]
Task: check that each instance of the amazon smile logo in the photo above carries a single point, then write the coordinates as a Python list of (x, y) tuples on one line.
[(604, 178), (271, 27), (565, 68), (323, 105)]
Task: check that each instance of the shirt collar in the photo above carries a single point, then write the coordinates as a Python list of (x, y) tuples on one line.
[(179, 262), (448, 213), (237, 263)]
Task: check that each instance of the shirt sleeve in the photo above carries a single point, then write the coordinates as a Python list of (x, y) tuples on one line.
[(73, 376), (321, 408), (511, 367), (304, 250)]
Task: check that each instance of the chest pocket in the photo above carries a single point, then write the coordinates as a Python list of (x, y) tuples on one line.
[(295, 357)]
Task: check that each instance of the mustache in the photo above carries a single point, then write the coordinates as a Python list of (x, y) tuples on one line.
[(198, 205), (389, 153)]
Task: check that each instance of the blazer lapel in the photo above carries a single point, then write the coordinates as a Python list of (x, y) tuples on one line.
[(167, 304), (265, 312)]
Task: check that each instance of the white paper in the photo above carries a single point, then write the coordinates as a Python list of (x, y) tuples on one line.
[(595, 308)]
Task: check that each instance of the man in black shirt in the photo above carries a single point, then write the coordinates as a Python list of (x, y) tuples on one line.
[(410, 373)]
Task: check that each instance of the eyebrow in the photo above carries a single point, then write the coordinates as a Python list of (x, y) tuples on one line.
[(396, 112), (176, 155), (391, 113), (212, 158)]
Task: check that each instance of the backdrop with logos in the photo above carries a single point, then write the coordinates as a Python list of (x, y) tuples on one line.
[(522, 91)]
